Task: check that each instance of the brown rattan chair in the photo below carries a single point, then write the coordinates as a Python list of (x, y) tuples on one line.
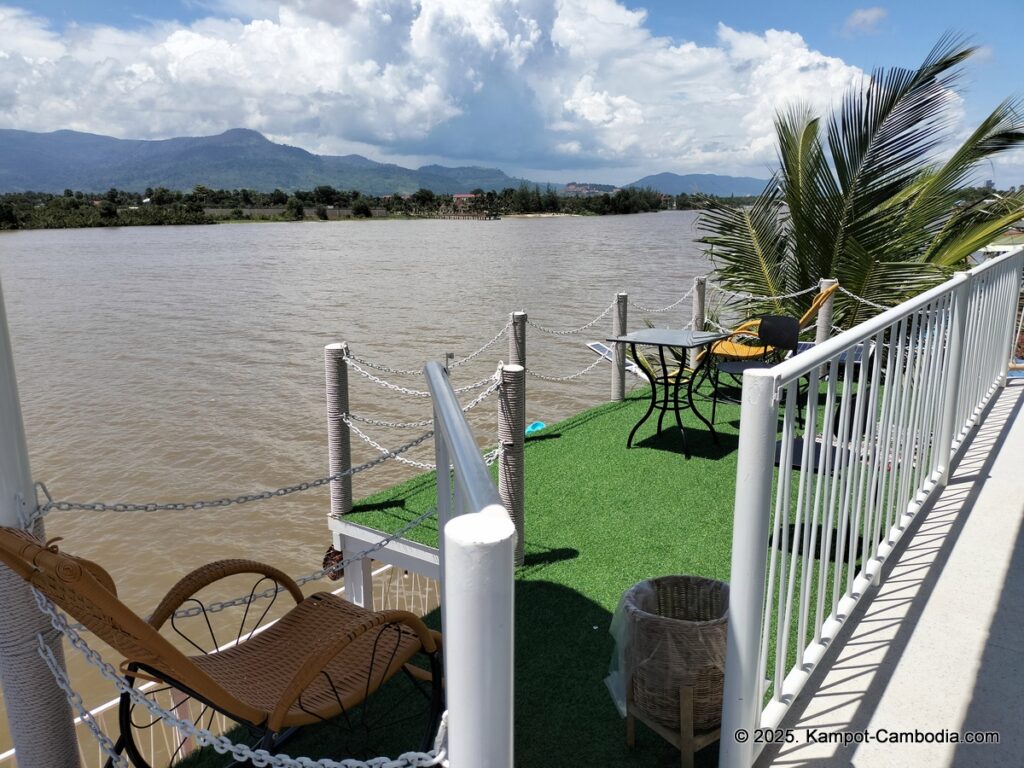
[(322, 658)]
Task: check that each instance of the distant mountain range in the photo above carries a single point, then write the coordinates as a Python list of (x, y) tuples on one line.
[(240, 158), (701, 183)]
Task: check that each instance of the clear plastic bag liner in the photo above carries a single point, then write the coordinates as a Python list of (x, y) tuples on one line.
[(670, 632)]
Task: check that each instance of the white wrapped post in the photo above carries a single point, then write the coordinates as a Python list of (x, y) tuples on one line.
[(700, 285), (619, 350), (824, 329), (478, 638), (38, 712), (754, 470), (339, 445), (511, 438), (517, 339)]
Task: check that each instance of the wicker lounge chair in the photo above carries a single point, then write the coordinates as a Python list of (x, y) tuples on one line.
[(736, 348), (320, 659)]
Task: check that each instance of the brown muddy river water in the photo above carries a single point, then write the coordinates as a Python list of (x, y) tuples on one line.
[(181, 363)]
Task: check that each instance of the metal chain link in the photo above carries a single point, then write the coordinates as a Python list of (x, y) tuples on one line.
[(390, 424), (488, 345), (862, 300), (718, 325), (410, 372), (570, 332), (75, 699), (66, 506), (384, 368), (752, 297), (222, 745), (674, 304), (385, 451), (386, 384), (576, 375)]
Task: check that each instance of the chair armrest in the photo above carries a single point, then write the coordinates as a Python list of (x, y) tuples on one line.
[(315, 662), (208, 574)]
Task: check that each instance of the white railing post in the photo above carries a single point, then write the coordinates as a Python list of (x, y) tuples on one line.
[(619, 350), (755, 467), (511, 439), (1013, 329), (698, 318), (948, 428), (478, 638), (824, 327), (38, 712)]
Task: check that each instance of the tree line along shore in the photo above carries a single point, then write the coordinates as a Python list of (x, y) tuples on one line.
[(202, 205)]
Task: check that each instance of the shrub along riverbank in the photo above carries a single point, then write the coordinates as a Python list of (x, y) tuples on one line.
[(42, 210)]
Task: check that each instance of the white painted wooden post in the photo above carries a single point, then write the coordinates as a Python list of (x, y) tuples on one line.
[(511, 438), (700, 285), (479, 599), (38, 712), (619, 350), (824, 329), (754, 470)]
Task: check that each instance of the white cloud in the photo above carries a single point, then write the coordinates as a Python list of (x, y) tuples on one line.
[(519, 83), (864, 21)]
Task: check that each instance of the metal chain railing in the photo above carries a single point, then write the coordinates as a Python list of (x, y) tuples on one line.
[(576, 375), (386, 384), (495, 385), (381, 449), (673, 305), (572, 331), (221, 744), (388, 424), (413, 372), (488, 345), (752, 297), (66, 506), (84, 715), (383, 368), (862, 300)]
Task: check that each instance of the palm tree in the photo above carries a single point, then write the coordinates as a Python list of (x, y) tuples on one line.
[(869, 203)]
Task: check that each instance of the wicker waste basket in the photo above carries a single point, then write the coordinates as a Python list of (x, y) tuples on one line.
[(670, 655)]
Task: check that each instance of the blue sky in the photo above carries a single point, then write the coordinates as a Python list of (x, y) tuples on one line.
[(557, 90)]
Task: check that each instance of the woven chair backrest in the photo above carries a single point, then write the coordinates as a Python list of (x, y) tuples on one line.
[(85, 591), (779, 331)]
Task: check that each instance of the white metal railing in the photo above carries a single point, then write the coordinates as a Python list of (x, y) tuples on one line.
[(863, 428), (476, 552)]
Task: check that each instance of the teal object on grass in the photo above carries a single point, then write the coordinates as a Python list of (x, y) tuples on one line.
[(536, 426)]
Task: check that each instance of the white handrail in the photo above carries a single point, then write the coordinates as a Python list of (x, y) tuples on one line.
[(477, 547), (890, 401)]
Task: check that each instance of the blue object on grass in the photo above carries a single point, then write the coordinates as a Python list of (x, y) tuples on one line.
[(536, 426)]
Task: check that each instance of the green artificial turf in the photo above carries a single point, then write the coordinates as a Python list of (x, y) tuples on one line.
[(599, 518)]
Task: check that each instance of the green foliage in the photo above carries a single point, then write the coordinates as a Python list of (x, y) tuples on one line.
[(865, 197), (294, 209), (361, 209)]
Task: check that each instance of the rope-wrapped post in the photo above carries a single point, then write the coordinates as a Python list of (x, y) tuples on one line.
[(824, 329), (700, 285), (619, 350), (511, 437), (339, 445), (38, 712), (517, 339)]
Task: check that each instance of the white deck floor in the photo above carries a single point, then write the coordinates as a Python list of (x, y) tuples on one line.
[(941, 645)]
